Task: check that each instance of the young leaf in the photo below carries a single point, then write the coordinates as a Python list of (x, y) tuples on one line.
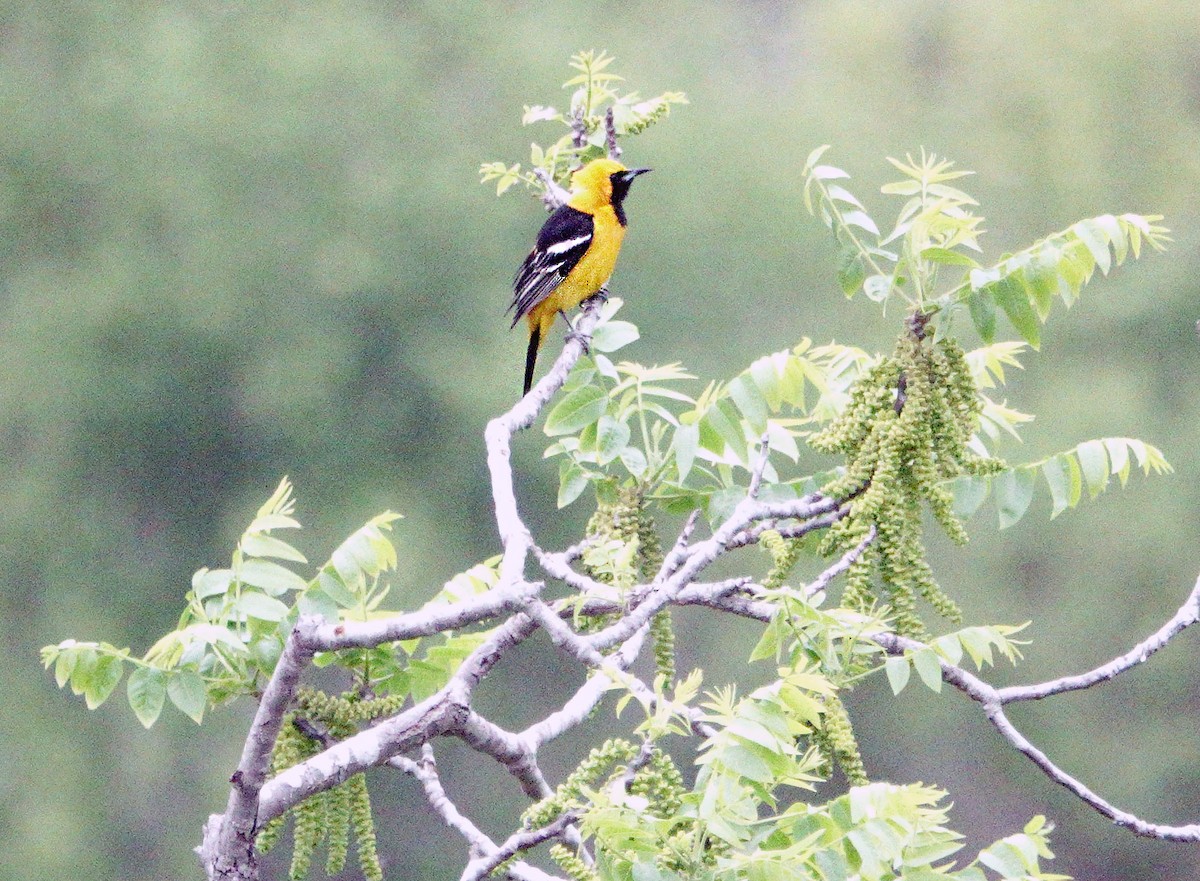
[(147, 690), (580, 408), (102, 679), (572, 481), (1014, 492), (928, 668), (186, 691), (897, 670)]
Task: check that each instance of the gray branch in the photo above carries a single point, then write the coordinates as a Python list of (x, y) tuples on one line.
[(516, 610)]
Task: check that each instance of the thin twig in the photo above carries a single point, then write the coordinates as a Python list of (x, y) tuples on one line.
[(481, 867), (554, 196), (760, 465), (822, 581), (1187, 615)]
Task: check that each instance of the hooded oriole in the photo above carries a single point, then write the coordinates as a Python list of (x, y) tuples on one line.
[(575, 253)]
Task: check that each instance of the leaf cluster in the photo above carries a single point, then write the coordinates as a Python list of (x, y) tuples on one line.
[(595, 95), (937, 233)]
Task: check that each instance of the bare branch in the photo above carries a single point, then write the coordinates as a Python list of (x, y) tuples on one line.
[(516, 752), (231, 853), (1187, 615), (990, 699), (822, 581), (678, 552), (554, 196), (426, 622), (760, 465), (556, 566), (1125, 819), (425, 771), (481, 867)]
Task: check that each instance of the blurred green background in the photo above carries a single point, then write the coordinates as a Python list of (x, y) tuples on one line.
[(239, 240)]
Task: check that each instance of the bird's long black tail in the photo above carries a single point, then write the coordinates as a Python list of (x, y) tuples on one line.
[(535, 339)]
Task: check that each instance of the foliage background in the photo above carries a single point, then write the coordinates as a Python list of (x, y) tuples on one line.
[(240, 240)]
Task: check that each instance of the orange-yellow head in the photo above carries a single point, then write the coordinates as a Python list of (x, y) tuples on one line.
[(602, 182)]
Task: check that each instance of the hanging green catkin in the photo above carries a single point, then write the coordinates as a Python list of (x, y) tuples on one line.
[(904, 433), (364, 827), (569, 861), (650, 561), (327, 816), (661, 784), (597, 766), (337, 810), (784, 555), (842, 744), (309, 830)]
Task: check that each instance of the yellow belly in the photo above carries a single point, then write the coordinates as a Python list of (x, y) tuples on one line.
[(590, 274)]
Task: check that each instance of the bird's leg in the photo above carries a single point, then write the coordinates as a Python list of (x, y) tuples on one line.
[(572, 334), (601, 295)]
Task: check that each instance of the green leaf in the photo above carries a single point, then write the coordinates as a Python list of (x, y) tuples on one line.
[(255, 544), (748, 399), (1057, 471), (258, 605), (1093, 461), (860, 219), (612, 436), (211, 582), (983, 314), (572, 481), (1014, 491), (1041, 277), (64, 666), (687, 439), (102, 679), (769, 643), (1004, 859), (1011, 296), (634, 461), (851, 271), (271, 577), (728, 429), (187, 692), (765, 376), (613, 335), (1118, 453), (969, 493), (580, 408), (928, 668), (147, 691), (897, 670), (331, 585), (951, 258), (1094, 239), (827, 172)]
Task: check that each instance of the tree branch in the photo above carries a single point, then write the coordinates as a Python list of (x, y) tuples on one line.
[(1187, 615)]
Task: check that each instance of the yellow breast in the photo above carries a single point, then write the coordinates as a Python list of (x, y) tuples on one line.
[(592, 271)]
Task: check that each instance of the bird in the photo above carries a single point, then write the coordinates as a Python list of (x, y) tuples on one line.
[(575, 253)]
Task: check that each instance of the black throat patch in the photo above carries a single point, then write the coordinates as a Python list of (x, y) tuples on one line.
[(620, 189)]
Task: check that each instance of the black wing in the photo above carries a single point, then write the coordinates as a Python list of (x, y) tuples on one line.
[(563, 240)]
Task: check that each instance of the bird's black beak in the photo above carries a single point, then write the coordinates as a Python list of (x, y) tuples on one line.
[(629, 175)]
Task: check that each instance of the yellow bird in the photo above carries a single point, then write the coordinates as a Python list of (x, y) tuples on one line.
[(575, 253)]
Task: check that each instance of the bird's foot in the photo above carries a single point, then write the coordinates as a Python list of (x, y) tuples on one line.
[(584, 340), (597, 299)]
